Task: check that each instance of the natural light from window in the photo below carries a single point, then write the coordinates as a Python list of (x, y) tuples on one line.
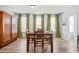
[(23, 23), (38, 21), (53, 23), (71, 23)]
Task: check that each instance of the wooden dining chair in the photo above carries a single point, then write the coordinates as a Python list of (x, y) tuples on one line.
[(39, 39)]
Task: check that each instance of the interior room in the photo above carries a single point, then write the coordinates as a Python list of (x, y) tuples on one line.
[(39, 28)]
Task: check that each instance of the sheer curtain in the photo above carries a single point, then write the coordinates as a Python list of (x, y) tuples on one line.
[(53, 23), (38, 21), (23, 25)]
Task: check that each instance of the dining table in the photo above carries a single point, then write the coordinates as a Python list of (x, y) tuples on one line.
[(29, 34)]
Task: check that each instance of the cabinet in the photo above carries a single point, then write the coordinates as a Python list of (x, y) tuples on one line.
[(6, 29)]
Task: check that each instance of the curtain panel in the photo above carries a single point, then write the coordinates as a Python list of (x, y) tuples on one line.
[(27, 22), (48, 22), (42, 22), (34, 19), (19, 31), (57, 26)]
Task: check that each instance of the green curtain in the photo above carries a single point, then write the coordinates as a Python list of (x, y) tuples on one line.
[(19, 32), (42, 22), (57, 27), (34, 19), (48, 22), (27, 20)]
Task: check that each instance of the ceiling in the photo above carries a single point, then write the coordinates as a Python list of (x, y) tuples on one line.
[(39, 9)]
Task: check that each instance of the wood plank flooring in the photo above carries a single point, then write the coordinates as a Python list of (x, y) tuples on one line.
[(60, 46)]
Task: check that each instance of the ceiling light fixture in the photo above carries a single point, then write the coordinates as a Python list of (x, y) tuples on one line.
[(32, 6)]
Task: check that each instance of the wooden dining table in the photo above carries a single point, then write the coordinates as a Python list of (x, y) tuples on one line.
[(45, 34)]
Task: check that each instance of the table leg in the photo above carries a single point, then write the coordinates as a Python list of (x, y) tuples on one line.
[(27, 44), (51, 43), (34, 45), (43, 45)]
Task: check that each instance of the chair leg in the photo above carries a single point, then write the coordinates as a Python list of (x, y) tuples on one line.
[(43, 45), (32, 39), (34, 46), (51, 44), (47, 39), (27, 45)]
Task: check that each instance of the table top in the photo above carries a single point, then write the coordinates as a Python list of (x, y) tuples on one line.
[(30, 33)]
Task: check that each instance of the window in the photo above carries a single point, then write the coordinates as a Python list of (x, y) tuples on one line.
[(14, 24), (53, 23), (38, 21), (23, 23), (71, 23)]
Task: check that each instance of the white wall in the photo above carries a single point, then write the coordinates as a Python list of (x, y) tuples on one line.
[(78, 22), (6, 9), (65, 28)]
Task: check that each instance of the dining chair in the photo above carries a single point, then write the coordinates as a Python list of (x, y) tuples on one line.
[(39, 40)]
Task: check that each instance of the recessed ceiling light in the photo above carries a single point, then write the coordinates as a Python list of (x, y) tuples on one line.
[(32, 6)]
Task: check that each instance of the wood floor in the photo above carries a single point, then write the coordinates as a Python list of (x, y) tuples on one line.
[(60, 46)]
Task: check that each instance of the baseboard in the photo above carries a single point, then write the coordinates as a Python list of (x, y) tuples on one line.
[(3, 44)]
